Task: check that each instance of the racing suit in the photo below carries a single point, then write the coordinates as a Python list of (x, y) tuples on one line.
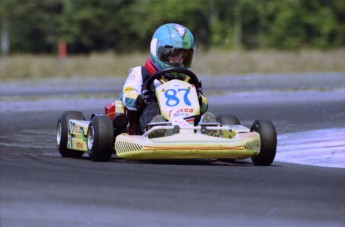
[(133, 88)]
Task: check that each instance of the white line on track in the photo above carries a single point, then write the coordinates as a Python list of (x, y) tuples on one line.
[(324, 147)]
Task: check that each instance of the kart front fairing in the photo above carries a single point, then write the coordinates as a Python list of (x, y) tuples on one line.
[(187, 142)]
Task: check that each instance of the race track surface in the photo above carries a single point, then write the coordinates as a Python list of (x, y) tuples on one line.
[(40, 188)]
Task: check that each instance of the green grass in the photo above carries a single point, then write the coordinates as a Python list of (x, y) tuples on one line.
[(212, 63)]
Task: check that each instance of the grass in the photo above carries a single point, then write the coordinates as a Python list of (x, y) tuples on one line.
[(212, 63)]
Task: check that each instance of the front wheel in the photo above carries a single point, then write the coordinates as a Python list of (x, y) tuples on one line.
[(268, 137), (100, 138), (62, 133)]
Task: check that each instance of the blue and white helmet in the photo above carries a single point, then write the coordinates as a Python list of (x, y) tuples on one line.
[(172, 45)]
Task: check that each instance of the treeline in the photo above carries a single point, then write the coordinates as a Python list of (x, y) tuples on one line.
[(35, 26)]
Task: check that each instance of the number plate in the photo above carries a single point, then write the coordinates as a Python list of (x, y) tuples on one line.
[(177, 99)]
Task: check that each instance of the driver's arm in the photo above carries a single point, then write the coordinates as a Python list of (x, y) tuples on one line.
[(132, 88)]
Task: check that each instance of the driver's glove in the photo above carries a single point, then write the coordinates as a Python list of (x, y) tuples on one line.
[(148, 96), (202, 101), (139, 102), (143, 100)]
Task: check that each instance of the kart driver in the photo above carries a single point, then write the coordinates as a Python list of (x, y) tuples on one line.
[(172, 45)]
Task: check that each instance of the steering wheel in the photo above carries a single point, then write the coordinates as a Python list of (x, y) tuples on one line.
[(165, 72)]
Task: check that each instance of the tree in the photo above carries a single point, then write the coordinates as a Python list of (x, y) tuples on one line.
[(293, 24), (127, 25)]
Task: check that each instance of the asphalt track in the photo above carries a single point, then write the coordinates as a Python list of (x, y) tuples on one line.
[(39, 188)]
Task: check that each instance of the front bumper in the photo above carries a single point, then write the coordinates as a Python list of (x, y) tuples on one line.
[(188, 146)]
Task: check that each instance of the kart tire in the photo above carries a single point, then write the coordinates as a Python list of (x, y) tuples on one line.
[(100, 139), (268, 137), (62, 133), (228, 119)]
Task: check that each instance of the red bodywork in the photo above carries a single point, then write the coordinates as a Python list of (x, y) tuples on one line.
[(133, 117), (109, 110)]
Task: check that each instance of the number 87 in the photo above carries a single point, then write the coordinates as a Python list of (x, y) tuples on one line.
[(173, 100)]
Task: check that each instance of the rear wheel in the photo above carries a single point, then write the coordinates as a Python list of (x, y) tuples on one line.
[(62, 133), (100, 138), (228, 120), (268, 137)]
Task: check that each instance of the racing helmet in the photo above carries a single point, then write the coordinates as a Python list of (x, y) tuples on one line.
[(172, 45)]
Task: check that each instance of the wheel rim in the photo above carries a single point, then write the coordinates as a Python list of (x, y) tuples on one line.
[(90, 137), (58, 134)]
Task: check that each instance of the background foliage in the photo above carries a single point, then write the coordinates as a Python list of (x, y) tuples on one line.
[(35, 26)]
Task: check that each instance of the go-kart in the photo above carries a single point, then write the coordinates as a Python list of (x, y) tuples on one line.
[(181, 135)]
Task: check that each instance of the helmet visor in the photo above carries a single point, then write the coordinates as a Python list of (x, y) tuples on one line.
[(176, 57)]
